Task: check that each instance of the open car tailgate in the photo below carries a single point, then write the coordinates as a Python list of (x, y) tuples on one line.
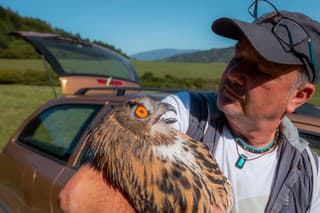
[(80, 64)]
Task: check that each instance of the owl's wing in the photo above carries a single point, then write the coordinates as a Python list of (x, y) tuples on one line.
[(212, 173), (182, 176)]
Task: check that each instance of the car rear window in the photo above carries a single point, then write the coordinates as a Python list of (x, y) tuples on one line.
[(56, 131), (87, 59)]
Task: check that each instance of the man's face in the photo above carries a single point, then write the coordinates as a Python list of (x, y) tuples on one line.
[(255, 88)]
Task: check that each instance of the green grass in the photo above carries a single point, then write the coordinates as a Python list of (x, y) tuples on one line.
[(21, 64), (180, 70), (158, 69), (17, 103), (315, 100)]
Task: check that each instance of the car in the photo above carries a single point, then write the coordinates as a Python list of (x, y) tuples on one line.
[(49, 146)]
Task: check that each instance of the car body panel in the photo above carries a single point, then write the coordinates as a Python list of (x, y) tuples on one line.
[(36, 185), (71, 84), (306, 123)]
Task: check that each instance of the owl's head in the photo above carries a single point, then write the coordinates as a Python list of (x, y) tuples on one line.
[(135, 124), (144, 114)]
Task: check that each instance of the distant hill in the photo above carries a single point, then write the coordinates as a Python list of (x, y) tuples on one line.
[(155, 55), (13, 48), (213, 55)]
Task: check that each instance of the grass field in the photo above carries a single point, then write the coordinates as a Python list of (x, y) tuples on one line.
[(180, 70), (19, 101), (21, 64), (158, 69)]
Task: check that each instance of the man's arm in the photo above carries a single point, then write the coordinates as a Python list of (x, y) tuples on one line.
[(87, 191)]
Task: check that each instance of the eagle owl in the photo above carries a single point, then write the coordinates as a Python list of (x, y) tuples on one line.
[(158, 168)]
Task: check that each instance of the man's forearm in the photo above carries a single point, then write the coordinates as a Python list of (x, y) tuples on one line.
[(88, 191)]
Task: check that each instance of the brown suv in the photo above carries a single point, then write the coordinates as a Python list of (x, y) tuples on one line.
[(49, 147)]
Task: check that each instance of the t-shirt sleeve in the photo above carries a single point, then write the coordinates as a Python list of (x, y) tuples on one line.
[(181, 102)]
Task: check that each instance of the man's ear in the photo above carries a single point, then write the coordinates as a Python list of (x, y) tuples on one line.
[(300, 96)]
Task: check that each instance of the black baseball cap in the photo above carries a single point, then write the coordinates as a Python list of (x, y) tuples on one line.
[(265, 39)]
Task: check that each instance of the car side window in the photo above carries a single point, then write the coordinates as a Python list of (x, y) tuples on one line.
[(56, 131), (86, 155)]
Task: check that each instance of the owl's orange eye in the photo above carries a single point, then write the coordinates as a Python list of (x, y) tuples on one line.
[(141, 112)]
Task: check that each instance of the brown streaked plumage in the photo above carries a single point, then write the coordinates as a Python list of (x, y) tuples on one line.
[(157, 167)]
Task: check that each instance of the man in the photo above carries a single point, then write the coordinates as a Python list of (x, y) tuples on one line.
[(273, 73)]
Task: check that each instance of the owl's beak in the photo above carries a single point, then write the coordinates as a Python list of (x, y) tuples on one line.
[(168, 118)]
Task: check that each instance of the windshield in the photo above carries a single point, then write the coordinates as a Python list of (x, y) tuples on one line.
[(86, 59)]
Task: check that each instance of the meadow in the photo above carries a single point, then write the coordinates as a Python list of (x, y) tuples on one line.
[(19, 101), (157, 68), (180, 70)]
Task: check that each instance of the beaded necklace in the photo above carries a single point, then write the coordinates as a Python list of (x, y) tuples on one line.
[(250, 148), (243, 158)]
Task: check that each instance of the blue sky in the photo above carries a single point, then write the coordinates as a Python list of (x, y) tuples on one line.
[(141, 25)]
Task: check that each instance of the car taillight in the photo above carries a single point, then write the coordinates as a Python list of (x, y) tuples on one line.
[(112, 82), (116, 83)]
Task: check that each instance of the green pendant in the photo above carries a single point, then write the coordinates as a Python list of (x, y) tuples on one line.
[(241, 161)]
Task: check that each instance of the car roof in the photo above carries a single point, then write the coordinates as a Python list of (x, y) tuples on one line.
[(103, 95)]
